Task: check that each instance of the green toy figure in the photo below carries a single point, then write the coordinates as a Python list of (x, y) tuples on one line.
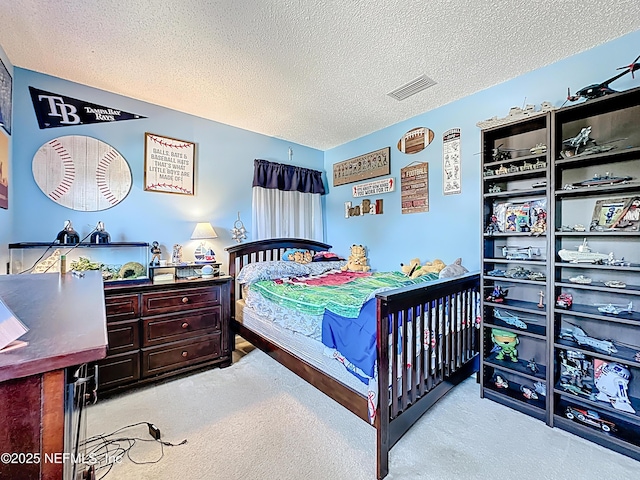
[(507, 342)]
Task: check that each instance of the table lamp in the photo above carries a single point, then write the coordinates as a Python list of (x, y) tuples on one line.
[(204, 231)]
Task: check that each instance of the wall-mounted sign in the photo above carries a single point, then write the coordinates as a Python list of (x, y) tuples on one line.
[(364, 167), (414, 187), (376, 187), (169, 165), (415, 140), (367, 207), (81, 173), (452, 183), (54, 110)]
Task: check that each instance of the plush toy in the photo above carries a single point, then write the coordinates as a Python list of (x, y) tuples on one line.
[(357, 261), (454, 270), (414, 269)]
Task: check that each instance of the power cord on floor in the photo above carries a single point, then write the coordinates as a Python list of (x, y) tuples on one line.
[(104, 451)]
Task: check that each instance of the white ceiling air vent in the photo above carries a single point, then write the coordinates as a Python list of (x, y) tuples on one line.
[(414, 86)]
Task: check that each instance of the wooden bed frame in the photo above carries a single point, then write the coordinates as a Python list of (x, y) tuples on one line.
[(417, 391)]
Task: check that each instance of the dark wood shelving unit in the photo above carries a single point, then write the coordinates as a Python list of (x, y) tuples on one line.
[(612, 117)]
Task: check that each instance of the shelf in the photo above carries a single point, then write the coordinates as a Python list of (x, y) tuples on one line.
[(612, 233), (612, 156), (533, 330), (603, 406), (532, 192), (599, 287), (634, 267), (519, 262), (491, 278), (616, 189), (540, 172), (588, 311), (624, 354), (523, 406), (25, 245), (519, 367), (514, 393), (517, 305)]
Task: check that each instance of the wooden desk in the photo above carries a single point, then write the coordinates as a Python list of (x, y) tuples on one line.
[(67, 327)]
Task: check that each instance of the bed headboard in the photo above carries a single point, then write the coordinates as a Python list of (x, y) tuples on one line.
[(263, 251)]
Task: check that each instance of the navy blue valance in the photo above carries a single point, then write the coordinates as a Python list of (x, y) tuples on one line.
[(287, 177)]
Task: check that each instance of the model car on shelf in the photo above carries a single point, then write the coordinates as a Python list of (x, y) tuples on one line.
[(538, 276), (509, 318), (564, 300), (615, 284), (538, 149), (580, 280), (517, 272), (579, 336), (496, 273), (589, 417)]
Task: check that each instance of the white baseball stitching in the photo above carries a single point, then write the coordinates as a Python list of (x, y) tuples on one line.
[(69, 170)]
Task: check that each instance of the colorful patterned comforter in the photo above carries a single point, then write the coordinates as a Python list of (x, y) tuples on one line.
[(344, 299)]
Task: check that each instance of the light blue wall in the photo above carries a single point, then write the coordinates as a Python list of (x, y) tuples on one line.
[(452, 226), (224, 171), (6, 215)]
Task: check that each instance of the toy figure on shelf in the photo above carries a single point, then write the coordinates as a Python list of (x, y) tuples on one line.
[(493, 226), (540, 225), (528, 393), (498, 294), (541, 302), (499, 381), (155, 254), (575, 376), (533, 366), (506, 342), (612, 382)]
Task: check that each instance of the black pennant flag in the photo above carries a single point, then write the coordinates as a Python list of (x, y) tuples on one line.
[(53, 110)]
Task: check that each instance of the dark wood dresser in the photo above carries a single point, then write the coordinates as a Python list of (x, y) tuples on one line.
[(39, 401), (159, 330)]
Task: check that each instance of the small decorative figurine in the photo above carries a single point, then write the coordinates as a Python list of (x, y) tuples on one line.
[(238, 232), (493, 226), (507, 342), (575, 373), (155, 254), (176, 256), (533, 366), (500, 382), (540, 303), (100, 235), (528, 393), (612, 382), (68, 236), (498, 294)]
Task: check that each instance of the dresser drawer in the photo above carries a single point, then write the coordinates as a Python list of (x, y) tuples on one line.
[(180, 354), (118, 369), (180, 326), (123, 336), (169, 301), (122, 307)]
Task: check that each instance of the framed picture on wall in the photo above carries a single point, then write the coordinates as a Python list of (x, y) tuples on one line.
[(6, 86), (169, 165)]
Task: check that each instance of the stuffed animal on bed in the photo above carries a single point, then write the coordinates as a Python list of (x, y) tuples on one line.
[(454, 270), (414, 269), (357, 261)]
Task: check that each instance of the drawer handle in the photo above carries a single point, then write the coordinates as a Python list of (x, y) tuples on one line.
[(185, 325), (185, 299), (185, 354)]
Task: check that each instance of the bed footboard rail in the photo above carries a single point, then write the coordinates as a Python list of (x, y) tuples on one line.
[(428, 341)]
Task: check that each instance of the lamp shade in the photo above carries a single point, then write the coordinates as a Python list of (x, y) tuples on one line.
[(203, 231)]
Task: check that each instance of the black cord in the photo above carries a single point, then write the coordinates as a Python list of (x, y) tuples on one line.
[(105, 451)]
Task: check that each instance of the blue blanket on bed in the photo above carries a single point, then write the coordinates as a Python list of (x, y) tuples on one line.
[(355, 338)]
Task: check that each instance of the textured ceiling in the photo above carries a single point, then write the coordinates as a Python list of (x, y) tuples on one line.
[(314, 72)]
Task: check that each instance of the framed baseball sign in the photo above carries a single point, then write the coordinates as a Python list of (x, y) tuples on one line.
[(169, 165), (81, 173)]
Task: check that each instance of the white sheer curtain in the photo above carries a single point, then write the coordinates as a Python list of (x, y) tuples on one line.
[(287, 202)]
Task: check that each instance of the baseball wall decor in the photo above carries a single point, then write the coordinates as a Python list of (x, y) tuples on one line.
[(81, 173), (415, 140), (169, 165)]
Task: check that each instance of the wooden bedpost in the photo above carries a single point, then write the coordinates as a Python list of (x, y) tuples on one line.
[(382, 414)]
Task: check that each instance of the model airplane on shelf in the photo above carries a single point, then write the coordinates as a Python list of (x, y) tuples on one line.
[(509, 318), (613, 308), (579, 336), (598, 90)]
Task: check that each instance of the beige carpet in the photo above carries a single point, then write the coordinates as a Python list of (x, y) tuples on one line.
[(256, 420)]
